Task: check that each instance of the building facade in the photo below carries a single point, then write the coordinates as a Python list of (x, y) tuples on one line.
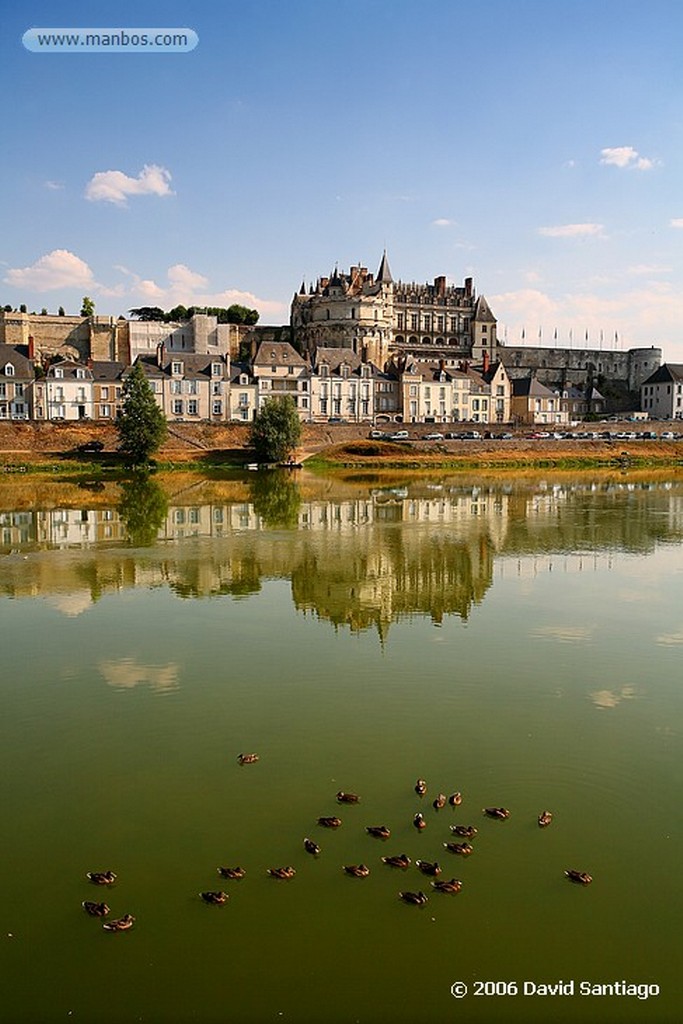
[(662, 393)]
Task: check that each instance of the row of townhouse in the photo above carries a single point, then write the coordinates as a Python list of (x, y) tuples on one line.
[(336, 386)]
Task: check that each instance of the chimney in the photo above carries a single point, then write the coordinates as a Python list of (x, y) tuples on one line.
[(160, 354), (442, 365), (440, 286), (31, 347), (468, 287), (486, 362)]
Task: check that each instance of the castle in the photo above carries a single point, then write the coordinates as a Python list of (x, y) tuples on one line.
[(383, 321)]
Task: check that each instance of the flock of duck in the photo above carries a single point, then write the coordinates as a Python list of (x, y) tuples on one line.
[(432, 869)]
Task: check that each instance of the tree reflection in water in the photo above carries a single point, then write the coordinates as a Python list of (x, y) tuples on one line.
[(276, 498), (143, 508)]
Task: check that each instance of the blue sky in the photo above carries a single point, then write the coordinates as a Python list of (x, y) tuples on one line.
[(535, 146)]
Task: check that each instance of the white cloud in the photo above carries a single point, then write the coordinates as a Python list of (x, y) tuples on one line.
[(677, 222), (644, 315), (443, 222), (572, 231), (57, 269), (648, 269), (54, 186), (189, 288), (626, 156), (116, 187)]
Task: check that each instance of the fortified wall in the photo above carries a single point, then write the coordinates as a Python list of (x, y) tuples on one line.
[(102, 338), (560, 366)]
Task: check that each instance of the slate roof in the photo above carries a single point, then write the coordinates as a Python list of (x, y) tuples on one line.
[(666, 374), (277, 353)]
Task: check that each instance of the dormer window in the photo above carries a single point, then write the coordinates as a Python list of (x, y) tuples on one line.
[(9, 370), (177, 368), (216, 369), (80, 373), (324, 370), (345, 370), (244, 379), (365, 371), (59, 372)]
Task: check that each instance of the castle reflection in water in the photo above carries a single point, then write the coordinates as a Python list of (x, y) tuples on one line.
[(362, 559)]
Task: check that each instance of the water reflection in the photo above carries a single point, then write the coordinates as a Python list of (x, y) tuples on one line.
[(356, 556), (142, 509)]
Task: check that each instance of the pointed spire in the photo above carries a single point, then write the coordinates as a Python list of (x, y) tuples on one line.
[(384, 274), (302, 290)]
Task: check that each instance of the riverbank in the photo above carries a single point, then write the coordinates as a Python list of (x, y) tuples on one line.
[(50, 447)]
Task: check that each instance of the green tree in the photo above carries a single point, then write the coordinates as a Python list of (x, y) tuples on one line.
[(22, 308), (87, 306), (153, 313), (61, 312), (276, 430), (43, 311), (141, 423)]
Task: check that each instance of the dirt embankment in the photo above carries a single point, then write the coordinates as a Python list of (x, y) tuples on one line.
[(340, 444)]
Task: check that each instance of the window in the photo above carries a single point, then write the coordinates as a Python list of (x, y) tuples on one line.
[(104, 393), (80, 374), (216, 370), (59, 372), (9, 370), (216, 387), (217, 409), (192, 407), (176, 387), (176, 368), (244, 398), (414, 323), (18, 390), (191, 387), (177, 407), (324, 370), (105, 411)]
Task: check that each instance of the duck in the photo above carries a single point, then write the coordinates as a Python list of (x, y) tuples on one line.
[(213, 897), (247, 758), (420, 787), (101, 877), (330, 822), (419, 822), (439, 802), (401, 861), (544, 819), (581, 877), (95, 909), (287, 872), (357, 870), (231, 872), (497, 812), (455, 799), (347, 798), (378, 831), (464, 849), (452, 886), (467, 831), (120, 924), (428, 867), (311, 847), (418, 898)]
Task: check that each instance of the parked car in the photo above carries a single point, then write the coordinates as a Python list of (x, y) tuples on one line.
[(90, 446), (433, 437), (399, 435)]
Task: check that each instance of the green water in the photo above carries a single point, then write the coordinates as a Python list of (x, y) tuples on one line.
[(518, 643)]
